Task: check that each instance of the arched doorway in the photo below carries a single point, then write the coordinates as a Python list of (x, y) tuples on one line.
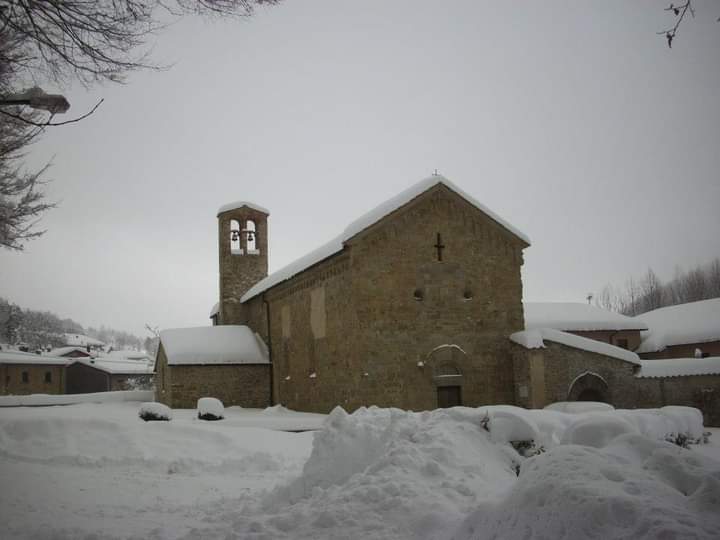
[(445, 361), (589, 387)]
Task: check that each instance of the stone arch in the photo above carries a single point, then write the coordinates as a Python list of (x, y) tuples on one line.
[(445, 361), (235, 246), (589, 386)]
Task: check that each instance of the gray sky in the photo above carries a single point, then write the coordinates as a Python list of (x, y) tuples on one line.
[(572, 120)]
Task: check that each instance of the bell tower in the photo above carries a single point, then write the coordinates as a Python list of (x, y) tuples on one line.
[(243, 249)]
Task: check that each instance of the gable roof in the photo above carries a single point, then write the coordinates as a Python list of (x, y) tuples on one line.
[(22, 358), (117, 367), (576, 317), (694, 322), (212, 345), (367, 220), (535, 339), (63, 351)]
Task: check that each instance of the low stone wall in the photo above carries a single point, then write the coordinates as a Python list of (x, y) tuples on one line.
[(556, 372), (246, 385)]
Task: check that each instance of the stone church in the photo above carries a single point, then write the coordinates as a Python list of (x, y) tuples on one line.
[(413, 306)]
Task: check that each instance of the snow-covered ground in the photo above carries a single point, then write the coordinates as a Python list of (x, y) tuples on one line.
[(98, 471)]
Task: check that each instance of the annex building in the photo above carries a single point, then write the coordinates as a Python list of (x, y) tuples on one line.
[(416, 304)]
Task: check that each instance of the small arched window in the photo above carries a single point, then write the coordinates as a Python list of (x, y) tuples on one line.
[(235, 247), (251, 233)]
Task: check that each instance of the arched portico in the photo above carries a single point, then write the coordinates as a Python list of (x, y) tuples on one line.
[(589, 387)]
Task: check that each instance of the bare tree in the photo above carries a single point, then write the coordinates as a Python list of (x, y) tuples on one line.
[(652, 292), (94, 40)]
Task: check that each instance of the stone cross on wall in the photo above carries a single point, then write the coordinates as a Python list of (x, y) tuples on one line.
[(439, 246)]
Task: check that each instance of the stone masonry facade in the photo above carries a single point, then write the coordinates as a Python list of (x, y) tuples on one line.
[(372, 324), (180, 386)]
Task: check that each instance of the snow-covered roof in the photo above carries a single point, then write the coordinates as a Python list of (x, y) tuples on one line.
[(81, 340), (16, 357), (680, 367), (125, 354), (695, 322), (114, 366), (227, 344), (576, 317), (239, 204), (61, 351), (215, 310), (535, 339), (366, 220)]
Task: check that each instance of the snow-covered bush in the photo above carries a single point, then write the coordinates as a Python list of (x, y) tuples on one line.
[(597, 430), (210, 408), (155, 411)]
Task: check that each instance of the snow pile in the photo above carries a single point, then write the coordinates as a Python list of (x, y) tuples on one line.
[(227, 344), (366, 220), (155, 411), (535, 339), (632, 488), (577, 317), (576, 407), (209, 408), (694, 322), (35, 400), (680, 367)]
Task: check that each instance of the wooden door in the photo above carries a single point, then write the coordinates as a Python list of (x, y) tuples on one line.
[(449, 396)]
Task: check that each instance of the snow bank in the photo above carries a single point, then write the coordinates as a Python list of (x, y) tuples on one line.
[(35, 400), (155, 411), (578, 407), (597, 430), (209, 408), (634, 488), (577, 317), (694, 322)]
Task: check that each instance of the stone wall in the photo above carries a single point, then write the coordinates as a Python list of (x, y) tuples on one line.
[(11, 379), (562, 366), (389, 302), (180, 386)]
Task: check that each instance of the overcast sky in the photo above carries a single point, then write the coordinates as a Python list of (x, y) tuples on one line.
[(572, 120)]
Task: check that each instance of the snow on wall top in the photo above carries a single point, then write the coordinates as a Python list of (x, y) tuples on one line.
[(535, 339), (363, 222), (695, 322), (680, 367), (17, 357), (573, 316), (239, 204), (213, 345), (125, 367)]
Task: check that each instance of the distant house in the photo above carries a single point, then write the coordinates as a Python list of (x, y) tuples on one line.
[(226, 362), (87, 375), (80, 340), (682, 331), (25, 373), (70, 352), (586, 321)]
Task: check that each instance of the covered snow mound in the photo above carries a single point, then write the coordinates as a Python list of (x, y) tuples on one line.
[(694, 322), (510, 426), (579, 407), (155, 411), (210, 408), (633, 489), (688, 420), (597, 430), (388, 474), (207, 345), (569, 316)]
